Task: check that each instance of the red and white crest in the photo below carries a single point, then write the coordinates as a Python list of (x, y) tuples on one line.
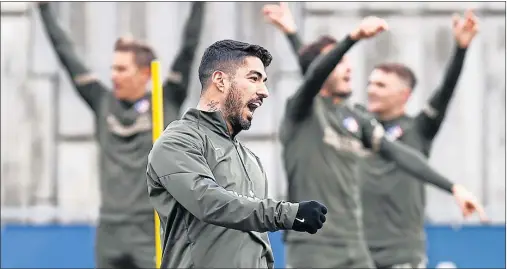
[(142, 106), (395, 132), (351, 124)]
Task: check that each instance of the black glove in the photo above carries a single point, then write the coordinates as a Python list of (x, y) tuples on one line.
[(371, 130), (310, 217)]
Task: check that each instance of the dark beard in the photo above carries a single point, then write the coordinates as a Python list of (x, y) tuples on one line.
[(333, 86), (233, 108)]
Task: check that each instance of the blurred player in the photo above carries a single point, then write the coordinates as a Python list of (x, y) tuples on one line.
[(319, 156), (393, 207), (209, 189), (125, 234), (320, 137)]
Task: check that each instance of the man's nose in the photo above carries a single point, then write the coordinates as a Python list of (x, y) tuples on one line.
[(114, 75), (263, 91), (370, 90)]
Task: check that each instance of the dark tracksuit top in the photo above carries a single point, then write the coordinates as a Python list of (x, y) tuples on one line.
[(393, 204), (320, 157), (210, 192), (124, 133)]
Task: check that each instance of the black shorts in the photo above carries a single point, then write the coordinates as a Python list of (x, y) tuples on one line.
[(307, 255), (122, 245)]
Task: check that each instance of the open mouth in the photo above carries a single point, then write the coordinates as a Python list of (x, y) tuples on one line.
[(254, 105)]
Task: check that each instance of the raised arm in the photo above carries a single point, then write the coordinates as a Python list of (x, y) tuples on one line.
[(300, 104), (296, 43), (281, 17), (178, 161), (88, 86), (176, 85), (430, 119)]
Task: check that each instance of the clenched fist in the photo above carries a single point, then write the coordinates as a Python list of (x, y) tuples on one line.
[(369, 26), (310, 217)]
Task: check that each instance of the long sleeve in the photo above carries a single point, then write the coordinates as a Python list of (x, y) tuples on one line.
[(90, 89), (176, 85), (299, 105), (428, 122), (296, 44), (413, 162), (182, 170), (295, 41)]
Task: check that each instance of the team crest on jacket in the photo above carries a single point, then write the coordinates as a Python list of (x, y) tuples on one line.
[(351, 124), (395, 132), (142, 106)]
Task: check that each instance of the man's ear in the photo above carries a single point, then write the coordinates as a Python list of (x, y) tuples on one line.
[(218, 78), (146, 71), (406, 93)]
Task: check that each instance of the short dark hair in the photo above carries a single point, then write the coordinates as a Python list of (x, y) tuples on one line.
[(143, 53), (310, 52), (401, 70), (227, 54)]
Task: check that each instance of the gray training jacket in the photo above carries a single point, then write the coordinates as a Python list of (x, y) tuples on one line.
[(210, 192)]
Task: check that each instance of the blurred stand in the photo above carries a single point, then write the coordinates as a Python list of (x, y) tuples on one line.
[(49, 155)]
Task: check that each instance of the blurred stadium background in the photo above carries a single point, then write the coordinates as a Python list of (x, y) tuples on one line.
[(49, 190)]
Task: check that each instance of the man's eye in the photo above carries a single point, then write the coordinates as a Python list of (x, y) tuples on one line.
[(255, 79)]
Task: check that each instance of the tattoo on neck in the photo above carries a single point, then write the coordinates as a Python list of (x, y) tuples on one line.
[(212, 106)]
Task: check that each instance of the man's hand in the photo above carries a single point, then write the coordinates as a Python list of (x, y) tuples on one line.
[(468, 203), (465, 28), (310, 217), (369, 26), (281, 17), (371, 130)]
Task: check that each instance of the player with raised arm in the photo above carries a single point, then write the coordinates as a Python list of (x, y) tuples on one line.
[(393, 205), (126, 229), (324, 168)]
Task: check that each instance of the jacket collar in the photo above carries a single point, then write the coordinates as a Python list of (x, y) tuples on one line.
[(211, 120)]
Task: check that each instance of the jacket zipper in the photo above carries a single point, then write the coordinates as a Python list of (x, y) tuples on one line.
[(250, 183)]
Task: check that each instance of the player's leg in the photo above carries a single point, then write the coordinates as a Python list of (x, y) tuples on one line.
[(400, 256), (107, 250), (308, 255), (140, 241), (144, 256), (360, 255)]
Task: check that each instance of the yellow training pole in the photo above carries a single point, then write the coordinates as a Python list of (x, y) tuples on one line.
[(157, 105)]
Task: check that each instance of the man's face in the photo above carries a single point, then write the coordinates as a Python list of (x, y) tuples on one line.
[(245, 93), (338, 82), (128, 79), (386, 91)]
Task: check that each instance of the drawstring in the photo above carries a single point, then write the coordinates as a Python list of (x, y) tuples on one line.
[(198, 121)]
